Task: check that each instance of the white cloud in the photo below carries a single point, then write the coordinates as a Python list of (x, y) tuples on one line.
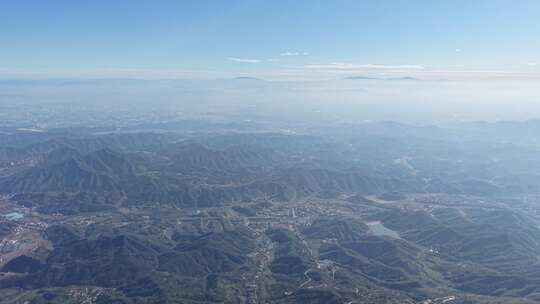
[(353, 66), (245, 60), (294, 54), (532, 64)]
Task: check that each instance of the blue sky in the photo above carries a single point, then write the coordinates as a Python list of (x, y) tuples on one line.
[(270, 39)]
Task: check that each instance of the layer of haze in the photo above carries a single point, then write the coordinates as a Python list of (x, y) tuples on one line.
[(407, 100)]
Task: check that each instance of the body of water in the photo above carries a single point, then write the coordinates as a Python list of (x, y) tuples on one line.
[(13, 216), (377, 228)]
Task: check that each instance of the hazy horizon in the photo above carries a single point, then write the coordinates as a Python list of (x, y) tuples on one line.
[(405, 100)]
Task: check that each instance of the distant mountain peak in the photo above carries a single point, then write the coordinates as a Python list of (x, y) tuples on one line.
[(248, 78), (379, 78), (402, 78), (360, 78)]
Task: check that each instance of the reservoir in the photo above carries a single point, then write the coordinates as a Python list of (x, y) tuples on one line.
[(13, 216), (377, 228)]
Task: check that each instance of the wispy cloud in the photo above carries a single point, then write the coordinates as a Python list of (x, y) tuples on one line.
[(353, 66), (294, 54), (453, 73), (245, 60), (318, 72)]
